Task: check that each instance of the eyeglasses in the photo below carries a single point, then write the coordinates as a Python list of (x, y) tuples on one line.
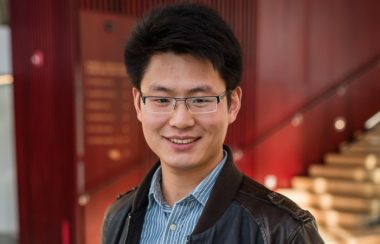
[(195, 105)]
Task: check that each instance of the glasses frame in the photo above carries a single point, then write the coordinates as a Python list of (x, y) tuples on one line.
[(186, 99)]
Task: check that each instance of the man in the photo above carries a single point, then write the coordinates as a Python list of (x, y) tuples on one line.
[(185, 65)]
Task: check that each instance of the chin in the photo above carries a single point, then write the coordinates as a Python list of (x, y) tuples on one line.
[(179, 162)]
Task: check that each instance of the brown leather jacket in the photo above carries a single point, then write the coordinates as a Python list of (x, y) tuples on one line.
[(239, 210)]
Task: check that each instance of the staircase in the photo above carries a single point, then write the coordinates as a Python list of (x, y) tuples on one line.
[(344, 193)]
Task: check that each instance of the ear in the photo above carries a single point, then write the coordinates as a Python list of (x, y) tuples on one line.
[(137, 102), (235, 105)]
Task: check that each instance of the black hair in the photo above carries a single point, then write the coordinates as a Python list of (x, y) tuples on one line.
[(186, 28)]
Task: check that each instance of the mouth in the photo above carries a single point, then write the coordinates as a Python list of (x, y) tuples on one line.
[(181, 141)]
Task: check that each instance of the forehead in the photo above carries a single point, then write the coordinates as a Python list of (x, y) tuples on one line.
[(181, 73)]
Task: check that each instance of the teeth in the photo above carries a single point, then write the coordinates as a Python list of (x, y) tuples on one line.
[(179, 141)]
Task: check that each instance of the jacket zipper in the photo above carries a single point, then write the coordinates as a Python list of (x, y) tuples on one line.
[(127, 228)]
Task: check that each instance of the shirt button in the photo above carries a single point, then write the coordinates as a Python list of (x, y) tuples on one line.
[(173, 227)]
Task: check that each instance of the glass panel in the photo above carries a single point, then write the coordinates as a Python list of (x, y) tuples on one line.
[(8, 189)]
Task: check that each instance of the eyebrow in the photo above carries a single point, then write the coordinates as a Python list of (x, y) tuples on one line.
[(159, 88), (201, 89)]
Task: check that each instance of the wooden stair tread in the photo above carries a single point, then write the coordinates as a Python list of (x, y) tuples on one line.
[(334, 186), (328, 201), (367, 161), (341, 235), (344, 219), (349, 173)]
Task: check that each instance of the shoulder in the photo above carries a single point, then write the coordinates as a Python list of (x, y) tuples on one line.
[(123, 201), (118, 211), (252, 193), (276, 215)]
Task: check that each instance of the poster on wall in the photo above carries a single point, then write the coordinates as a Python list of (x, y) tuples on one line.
[(109, 134)]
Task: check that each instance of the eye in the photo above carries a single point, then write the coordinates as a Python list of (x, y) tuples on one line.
[(161, 100), (201, 100)]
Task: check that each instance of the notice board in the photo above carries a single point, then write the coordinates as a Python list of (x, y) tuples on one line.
[(109, 134)]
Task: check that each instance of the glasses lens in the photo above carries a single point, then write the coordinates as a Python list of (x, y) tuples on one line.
[(202, 104), (159, 104)]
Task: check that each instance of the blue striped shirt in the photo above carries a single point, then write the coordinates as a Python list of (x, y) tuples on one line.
[(168, 225)]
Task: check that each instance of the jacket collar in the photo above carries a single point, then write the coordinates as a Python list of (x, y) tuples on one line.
[(223, 192)]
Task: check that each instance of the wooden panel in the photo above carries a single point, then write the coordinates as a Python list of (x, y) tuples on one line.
[(112, 135), (305, 47), (364, 96), (43, 66), (305, 138), (282, 47), (344, 35), (300, 141), (316, 62)]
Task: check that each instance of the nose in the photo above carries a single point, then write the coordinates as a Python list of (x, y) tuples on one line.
[(181, 116)]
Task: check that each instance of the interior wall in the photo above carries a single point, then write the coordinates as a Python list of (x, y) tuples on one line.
[(316, 61), (43, 54), (306, 47)]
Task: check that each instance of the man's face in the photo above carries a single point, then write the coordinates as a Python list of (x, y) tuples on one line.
[(184, 141)]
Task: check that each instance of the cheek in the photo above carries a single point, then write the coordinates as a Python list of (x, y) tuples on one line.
[(214, 124), (152, 122), (150, 132)]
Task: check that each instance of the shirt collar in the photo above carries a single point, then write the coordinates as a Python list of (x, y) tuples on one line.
[(201, 192), (155, 192)]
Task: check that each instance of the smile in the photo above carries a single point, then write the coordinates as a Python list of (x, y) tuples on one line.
[(181, 141)]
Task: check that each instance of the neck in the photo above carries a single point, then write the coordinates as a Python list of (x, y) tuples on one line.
[(176, 187), (176, 184)]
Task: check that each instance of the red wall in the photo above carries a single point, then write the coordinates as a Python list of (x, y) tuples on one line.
[(306, 51), (43, 54)]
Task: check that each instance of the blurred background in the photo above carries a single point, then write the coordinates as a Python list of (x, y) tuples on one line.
[(70, 141)]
